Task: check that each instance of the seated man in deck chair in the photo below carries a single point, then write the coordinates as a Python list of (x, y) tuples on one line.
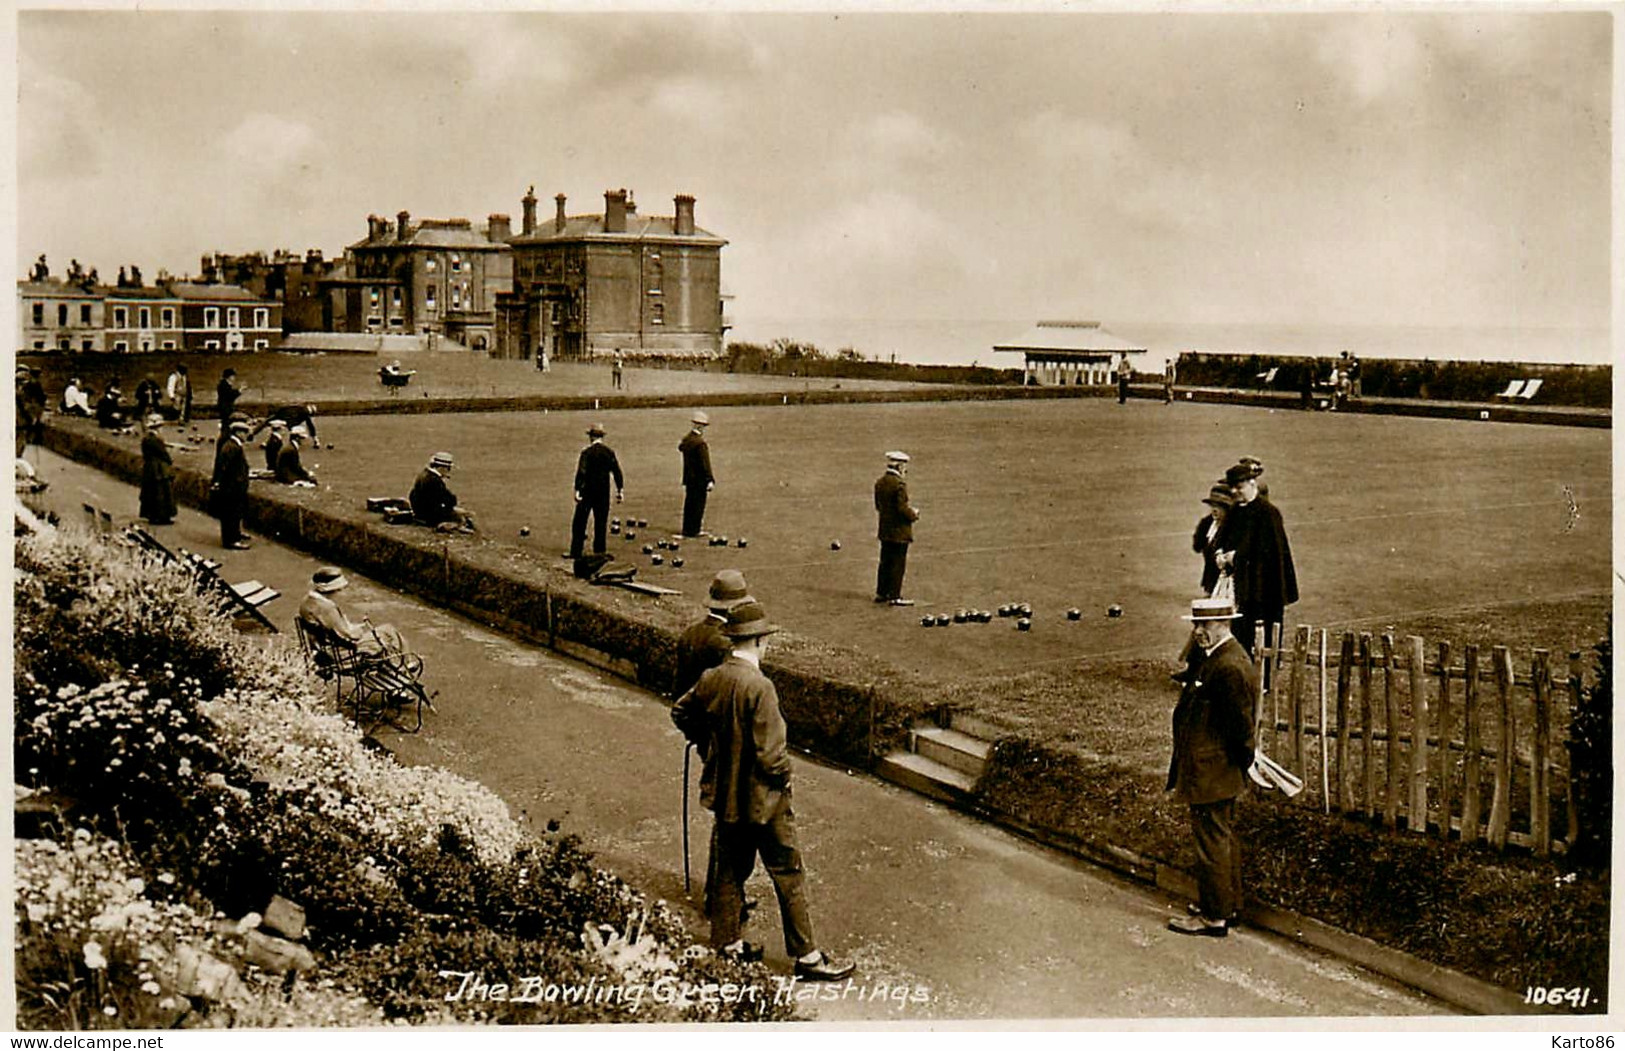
[(381, 641)]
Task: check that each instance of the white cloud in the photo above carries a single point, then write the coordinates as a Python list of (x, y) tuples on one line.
[(58, 133), (1375, 56), (693, 98), (271, 144)]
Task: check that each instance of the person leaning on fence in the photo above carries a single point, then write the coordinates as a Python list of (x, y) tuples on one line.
[(371, 640), (1213, 750), (433, 502), (732, 716)]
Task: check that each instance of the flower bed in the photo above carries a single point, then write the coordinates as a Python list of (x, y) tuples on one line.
[(210, 782)]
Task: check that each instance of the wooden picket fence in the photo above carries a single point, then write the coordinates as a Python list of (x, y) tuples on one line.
[(1397, 733)]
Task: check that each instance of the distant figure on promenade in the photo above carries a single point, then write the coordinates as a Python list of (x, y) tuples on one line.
[(110, 408), (228, 493), (897, 518), (157, 476), (697, 477), (1213, 748), (1261, 561), (75, 399), (615, 372), (433, 502), (1125, 372), (274, 443), (31, 402), (293, 416), (370, 639), (702, 645), (1168, 382), (290, 468), (732, 716), (1353, 370), (226, 394), (178, 395), (1334, 381), (594, 469), (1307, 388)]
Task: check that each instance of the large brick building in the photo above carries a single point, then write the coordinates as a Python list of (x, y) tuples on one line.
[(293, 280), (59, 315), (437, 276), (63, 316), (589, 286)]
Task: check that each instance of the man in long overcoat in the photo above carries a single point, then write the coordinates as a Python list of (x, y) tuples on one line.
[(1213, 747), (897, 518), (697, 477), (229, 492), (1266, 580), (732, 716), (594, 469)]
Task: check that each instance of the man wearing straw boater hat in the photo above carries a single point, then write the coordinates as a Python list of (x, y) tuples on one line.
[(732, 716), (594, 469), (433, 503), (697, 476), (1213, 749)]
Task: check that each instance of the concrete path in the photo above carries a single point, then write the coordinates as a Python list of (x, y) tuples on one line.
[(920, 896)]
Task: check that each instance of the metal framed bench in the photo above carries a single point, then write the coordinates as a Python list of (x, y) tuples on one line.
[(375, 689)]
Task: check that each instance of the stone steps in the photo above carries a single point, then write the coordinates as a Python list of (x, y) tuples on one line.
[(943, 762)]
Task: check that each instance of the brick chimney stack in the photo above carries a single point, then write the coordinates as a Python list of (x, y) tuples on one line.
[(528, 222), (403, 224), (614, 211), (558, 216), (684, 224), (497, 228)]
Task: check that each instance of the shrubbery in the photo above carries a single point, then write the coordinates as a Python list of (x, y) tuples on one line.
[(208, 776)]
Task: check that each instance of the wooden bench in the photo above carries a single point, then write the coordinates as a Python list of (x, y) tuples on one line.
[(239, 601)]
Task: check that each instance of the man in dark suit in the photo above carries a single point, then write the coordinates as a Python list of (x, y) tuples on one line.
[(897, 518), (229, 492), (732, 716), (697, 477), (290, 467), (1266, 580), (702, 646), (432, 501), (1213, 748), (594, 470), (274, 444), (227, 393)]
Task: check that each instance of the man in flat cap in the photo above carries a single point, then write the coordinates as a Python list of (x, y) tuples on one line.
[(732, 716), (229, 491), (897, 518), (1265, 578), (594, 469), (433, 502), (697, 477), (1213, 748)]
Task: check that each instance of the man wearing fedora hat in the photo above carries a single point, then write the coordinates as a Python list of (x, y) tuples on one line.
[(897, 518), (433, 503), (697, 477), (229, 491), (732, 716), (702, 646), (1261, 563), (1213, 748), (594, 469)]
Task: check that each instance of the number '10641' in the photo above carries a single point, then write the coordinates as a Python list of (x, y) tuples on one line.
[(1556, 995)]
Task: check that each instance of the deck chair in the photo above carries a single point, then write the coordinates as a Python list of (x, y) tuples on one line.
[(237, 601), (1530, 389), (375, 689), (1514, 390)]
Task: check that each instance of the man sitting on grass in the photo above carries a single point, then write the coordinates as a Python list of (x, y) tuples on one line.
[(290, 470), (433, 502)]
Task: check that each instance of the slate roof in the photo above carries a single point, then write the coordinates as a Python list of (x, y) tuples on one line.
[(235, 293), (57, 288), (586, 227), (431, 233)]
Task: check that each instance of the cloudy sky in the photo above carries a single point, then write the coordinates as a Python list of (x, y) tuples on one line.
[(1272, 168)]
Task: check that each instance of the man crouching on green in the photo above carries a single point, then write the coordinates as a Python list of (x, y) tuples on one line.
[(732, 716)]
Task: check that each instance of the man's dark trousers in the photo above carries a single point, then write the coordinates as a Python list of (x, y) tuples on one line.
[(1122, 390), (735, 847), (1218, 861), (599, 509), (893, 563), (694, 509)]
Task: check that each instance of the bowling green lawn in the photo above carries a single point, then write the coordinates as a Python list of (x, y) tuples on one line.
[(1483, 533)]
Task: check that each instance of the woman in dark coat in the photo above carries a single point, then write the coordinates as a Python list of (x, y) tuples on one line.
[(157, 476)]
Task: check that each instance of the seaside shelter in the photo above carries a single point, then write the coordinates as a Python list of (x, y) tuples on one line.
[(1058, 353)]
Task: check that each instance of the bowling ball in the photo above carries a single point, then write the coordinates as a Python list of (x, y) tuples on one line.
[(331, 446), (656, 560), (1114, 610), (959, 616), (1025, 610), (631, 534), (943, 620), (661, 543), (1024, 624), (677, 563), (927, 621), (1074, 614), (742, 542), (524, 530), (648, 549), (834, 545)]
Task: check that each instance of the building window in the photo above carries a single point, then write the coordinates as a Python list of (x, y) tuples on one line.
[(64, 343), (262, 344), (62, 315), (39, 313), (657, 314), (39, 344), (395, 297), (169, 344), (262, 317), (233, 318), (456, 297), (372, 295), (84, 313), (121, 319), (85, 345), (430, 264), (121, 345), (211, 317), (169, 317), (428, 299), (146, 345), (456, 262), (211, 344), (145, 314)]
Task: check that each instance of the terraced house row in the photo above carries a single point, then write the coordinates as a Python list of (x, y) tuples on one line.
[(60, 315)]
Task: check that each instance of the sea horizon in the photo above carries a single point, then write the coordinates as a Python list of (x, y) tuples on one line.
[(937, 341)]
